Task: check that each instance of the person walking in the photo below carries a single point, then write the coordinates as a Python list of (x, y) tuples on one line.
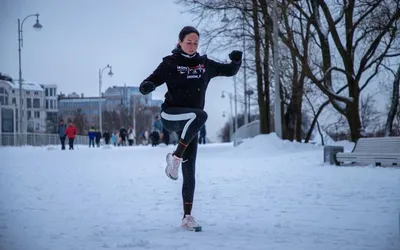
[(62, 127), (71, 133)]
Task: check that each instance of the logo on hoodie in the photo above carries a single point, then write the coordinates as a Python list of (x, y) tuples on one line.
[(192, 72)]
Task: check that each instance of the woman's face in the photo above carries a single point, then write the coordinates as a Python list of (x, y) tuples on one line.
[(190, 43)]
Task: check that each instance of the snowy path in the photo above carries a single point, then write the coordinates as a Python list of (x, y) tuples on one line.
[(277, 197)]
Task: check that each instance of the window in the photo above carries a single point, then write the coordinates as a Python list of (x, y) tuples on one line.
[(37, 114), (14, 101), (7, 120), (29, 103), (47, 104), (28, 93), (29, 114), (36, 103), (36, 93), (3, 96), (47, 92), (51, 92), (51, 104)]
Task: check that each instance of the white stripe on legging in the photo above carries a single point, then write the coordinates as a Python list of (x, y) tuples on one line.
[(180, 117)]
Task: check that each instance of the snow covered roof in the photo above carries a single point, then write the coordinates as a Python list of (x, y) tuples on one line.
[(30, 86)]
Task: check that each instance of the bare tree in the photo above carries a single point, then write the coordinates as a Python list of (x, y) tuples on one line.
[(368, 113), (335, 130), (262, 89), (80, 122), (247, 24), (111, 121), (394, 104), (265, 114), (364, 34)]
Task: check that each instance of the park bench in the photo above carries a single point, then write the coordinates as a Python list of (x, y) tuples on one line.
[(373, 150)]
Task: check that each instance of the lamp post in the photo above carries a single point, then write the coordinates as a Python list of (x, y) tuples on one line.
[(235, 99), (249, 92), (246, 120), (110, 73), (233, 121), (278, 116), (231, 124), (225, 19), (36, 26)]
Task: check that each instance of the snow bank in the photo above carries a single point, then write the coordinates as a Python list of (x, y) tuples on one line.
[(271, 144)]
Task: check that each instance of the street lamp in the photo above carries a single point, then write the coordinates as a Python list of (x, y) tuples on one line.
[(110, 73), (230, 125), (225, 19), (249, 92), (233, 121), (36, 26)]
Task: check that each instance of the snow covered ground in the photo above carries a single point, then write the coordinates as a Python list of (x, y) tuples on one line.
[(264, 194)]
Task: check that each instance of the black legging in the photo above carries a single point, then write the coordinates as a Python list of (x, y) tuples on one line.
[(187, 123), (188, 171)]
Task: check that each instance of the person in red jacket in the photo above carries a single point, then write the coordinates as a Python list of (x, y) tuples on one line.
[(71, 133)]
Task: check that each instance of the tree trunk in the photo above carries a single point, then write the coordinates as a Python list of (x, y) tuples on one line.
[(298, 106), (267, 38), (289, 118), (267, 97), (292, 110), (260, 91), (353, 118), (394, 104)]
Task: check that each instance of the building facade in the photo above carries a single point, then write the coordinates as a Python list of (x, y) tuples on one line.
[(35, 113), (119, 104), (125, 96), (87, 107), (51, 106)]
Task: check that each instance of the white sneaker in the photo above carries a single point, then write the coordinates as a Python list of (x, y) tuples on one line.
[(190, 224), (173, 164)]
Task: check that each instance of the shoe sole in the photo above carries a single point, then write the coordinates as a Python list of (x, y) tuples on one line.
[(170, 176), (195, 229)]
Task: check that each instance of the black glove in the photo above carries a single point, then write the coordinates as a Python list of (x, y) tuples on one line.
[(236, 56), (146, 87)]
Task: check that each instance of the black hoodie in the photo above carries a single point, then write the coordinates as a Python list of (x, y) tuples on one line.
[(187, 78)]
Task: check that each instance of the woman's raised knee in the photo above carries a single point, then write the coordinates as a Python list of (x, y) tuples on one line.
[(202, 116)]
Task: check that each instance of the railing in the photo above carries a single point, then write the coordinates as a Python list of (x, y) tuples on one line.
[(32, 139), (249, 130)]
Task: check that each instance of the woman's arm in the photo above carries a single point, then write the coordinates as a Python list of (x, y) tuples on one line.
[(154, 80), (226, 69)]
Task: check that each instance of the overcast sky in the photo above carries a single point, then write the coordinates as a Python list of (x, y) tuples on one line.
[(79, 37)]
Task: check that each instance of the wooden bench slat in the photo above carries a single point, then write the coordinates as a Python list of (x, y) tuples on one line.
[(373, 150)]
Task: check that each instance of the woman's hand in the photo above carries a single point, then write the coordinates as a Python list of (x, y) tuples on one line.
[(236, 56), (147, 87)]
